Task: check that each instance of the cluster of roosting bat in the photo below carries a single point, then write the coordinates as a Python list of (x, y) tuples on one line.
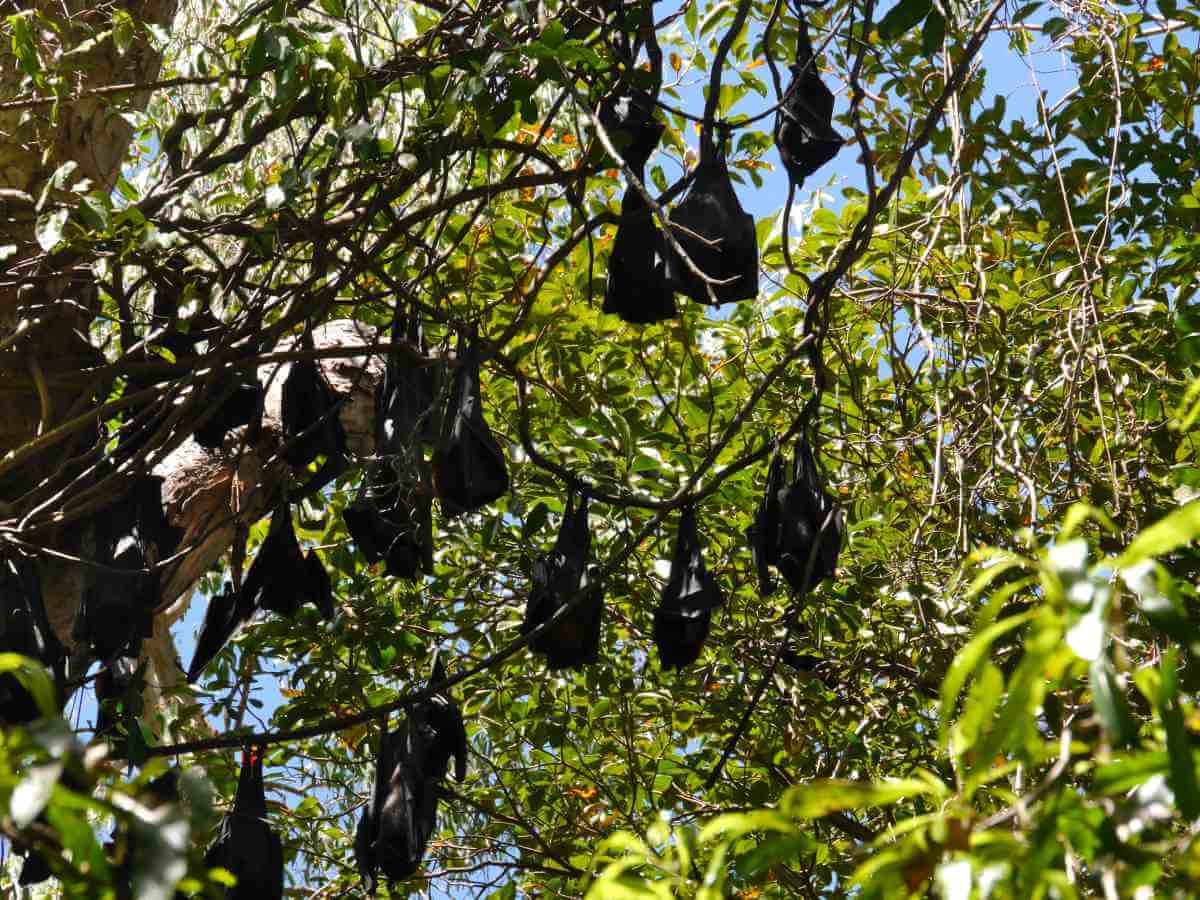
[(391, 520), (797, 529), (432, 442), (719, 259)]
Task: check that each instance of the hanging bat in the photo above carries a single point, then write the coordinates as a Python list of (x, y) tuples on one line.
[(117, 610), (246, 845), (35, 869), (637, 288), (789, 522), (808, 517), (281, 578), (24, 629), (406, 400), (392, 517), (118, 604), (682, 619), (401, 532), (118, 696), (140, 513), (763, 535), (804, 133), (396, 823), (443, 734), (226, 613), (311, 426), (558, 578), (401, 816), (469, 471), (628, 118), (239, 402), (716, 234)]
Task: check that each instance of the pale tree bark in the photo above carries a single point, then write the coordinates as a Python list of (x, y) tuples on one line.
[(48, 305), (46, 309)]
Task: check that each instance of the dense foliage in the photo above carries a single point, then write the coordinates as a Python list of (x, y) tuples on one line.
[(991, 297)]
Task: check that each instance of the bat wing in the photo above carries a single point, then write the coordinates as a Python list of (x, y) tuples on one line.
[(763, 535), (689, 585), (717, 235), (469, 470), (221, 620), (629, 121), (364, 850), (239, 402), (367, 529), (679, 635), (637, 289), (804, 133), (278, 573), (319, 589)]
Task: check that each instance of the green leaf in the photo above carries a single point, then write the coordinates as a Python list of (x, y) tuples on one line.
[(933, 35), (770, 852), (34, 678), (32, 793), (554, 35), (969, 659), (1182, 772), (903, 16), (124, 30), (1119, 776), (813, 801), (23, 46), (1110, 704), (733, 825), (49, 229), (1175, 530)]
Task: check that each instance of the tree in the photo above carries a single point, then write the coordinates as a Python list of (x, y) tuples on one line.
[(987, 334)]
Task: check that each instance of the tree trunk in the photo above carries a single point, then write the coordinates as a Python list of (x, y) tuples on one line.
[(47, 307)]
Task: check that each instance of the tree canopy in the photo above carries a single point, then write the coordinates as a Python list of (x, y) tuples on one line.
[(971, 297)]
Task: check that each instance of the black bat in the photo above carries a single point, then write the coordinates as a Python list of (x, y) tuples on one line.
[(118, 696), (281, 578), (118, 605), (392, 517), (795, 515), (804, 133), (407, 411), (637, 288), (311, 426), (682, 619), (141, 513), (628, 118), (35, 869), (246, 845), (469, 471), (396, 823), (226, 613), (401, 532), (558, 578), (239, 401), (24, 629), (808, 516), (716, 234), (763, 535), (401, 816)]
